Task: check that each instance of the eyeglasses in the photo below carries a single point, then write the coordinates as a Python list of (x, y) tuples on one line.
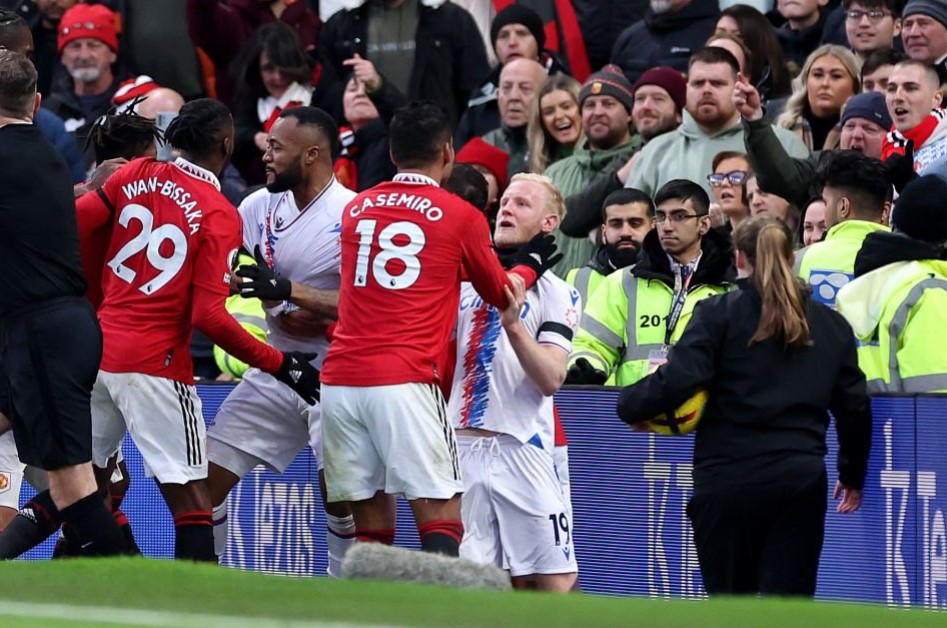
[(676, 216), (874, 16), (737, 177)]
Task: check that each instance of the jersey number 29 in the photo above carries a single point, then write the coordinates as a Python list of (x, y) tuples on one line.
[(406, 253), (151, 241)]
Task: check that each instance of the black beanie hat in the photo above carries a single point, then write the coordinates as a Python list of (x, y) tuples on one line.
[(518, 14), (920, 212)]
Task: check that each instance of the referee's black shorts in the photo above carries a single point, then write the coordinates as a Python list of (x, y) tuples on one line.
[(50, 356)]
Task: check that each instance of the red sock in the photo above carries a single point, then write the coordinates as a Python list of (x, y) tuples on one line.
[(120, 518), (386, 536), (117, 501), (442, 536)]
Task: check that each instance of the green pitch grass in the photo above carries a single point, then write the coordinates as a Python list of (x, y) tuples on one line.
[(138, 592)]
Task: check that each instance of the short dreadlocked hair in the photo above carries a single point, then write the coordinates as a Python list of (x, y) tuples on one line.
[(122, 134), (199, 126)]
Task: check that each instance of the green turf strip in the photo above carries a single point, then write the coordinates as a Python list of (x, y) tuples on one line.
[(200, 589)]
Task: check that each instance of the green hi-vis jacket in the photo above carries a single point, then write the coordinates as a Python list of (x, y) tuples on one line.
[(898, 313), (626, 318), (249, 313), (828, 265)]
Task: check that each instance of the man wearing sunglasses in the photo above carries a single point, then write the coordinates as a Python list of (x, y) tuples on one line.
[(634, 316)]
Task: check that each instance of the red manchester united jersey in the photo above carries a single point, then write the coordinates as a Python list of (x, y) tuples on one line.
[(167, 266), (405, 245)]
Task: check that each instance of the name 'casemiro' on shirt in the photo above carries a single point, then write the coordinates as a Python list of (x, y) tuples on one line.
[(413, 202)]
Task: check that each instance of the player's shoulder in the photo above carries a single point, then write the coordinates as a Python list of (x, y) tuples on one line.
[(257, 200), (551, 285), (135, 169)]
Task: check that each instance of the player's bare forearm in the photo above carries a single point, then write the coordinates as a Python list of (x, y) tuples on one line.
[(324, 303), (544, 364)]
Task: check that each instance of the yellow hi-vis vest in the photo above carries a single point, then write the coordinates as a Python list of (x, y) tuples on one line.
[(585, 280), (898, 313), (828, 265), (249, 313), (626, 319)]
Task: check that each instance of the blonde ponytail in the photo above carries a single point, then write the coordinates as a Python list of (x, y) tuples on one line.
[(767, 244)]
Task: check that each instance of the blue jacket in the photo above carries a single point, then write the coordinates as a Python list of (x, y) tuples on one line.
[(55, 132)]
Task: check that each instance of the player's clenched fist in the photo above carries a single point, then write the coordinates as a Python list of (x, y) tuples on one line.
[(297, 373), (262, 282), (539, 254)]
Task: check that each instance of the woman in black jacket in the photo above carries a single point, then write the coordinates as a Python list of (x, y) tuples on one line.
[(773, 361)]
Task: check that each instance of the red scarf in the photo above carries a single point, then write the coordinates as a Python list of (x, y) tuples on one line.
[(895, 141), (346, 171), (269, 122)]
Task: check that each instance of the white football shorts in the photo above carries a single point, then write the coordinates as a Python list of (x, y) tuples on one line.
[(263, 421), (163, 417), (515, 515), (394, 439), (11, 473)]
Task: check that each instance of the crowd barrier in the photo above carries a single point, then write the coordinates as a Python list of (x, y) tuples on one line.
[(629, 490)]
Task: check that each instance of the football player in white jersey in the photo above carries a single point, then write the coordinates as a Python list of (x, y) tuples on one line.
[(293, 226), (509, 364)]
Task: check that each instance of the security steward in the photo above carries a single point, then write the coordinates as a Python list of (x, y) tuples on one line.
[(855, 189), (897, 301), (635, 315)]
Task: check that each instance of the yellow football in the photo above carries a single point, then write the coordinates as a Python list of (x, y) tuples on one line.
[(685, 418)]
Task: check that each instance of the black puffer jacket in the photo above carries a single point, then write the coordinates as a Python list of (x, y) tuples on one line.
[(665, 39), (449, 60)]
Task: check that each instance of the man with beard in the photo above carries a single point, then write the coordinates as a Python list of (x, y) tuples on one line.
[(711, 125), (670, 30), (292, 226), (637, 313), (627, 217)]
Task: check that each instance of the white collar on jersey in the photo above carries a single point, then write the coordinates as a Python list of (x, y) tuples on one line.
[(415, 177), (197, 172)]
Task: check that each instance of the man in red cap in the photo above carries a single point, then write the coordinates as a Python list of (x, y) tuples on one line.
[(88, 48)]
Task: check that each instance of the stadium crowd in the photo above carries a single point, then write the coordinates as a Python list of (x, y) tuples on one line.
[(619, 156)]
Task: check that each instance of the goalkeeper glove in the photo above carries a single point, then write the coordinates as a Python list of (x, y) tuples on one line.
[(583, 373), (538, 254), (297, 373)]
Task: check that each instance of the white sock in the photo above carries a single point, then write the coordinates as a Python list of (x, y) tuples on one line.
[(221, 527), (340, 536)]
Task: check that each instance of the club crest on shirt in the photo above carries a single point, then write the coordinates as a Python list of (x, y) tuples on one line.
[(4, 482)]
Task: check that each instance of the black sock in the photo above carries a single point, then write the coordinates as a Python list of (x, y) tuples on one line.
[(194, 536), (37, 521), (94, 528)]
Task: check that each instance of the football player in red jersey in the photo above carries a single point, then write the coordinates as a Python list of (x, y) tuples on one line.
[(168, 265), (406, 244)]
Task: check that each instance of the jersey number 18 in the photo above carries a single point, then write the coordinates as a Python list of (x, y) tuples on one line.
[(406, 253)]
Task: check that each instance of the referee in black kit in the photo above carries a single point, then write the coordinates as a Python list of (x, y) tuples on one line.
[(773, 361), (50, 342)]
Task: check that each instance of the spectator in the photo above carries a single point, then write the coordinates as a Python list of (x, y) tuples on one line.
[(924, 33), (274, 74), (45, 27), (768, 71), (627, 217), (828, 79), (854, 188), (813, 221), (368, 104), (802, 32), (602, 21), (516, 32), (914, 101), (711, 125), (519, 82), (489, 161), (15, 35), (636, 314), (877, 68), (864, 122), (774, 363), (735, 46), (437, 50), (871, 25), (222, 30), (88, 48), (555, 122), (762, 202), (896, 302), (728, 182), (666, 36), (606, 101), (659, 96)]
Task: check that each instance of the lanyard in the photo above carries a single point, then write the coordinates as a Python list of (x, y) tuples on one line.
[(677, 301)]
